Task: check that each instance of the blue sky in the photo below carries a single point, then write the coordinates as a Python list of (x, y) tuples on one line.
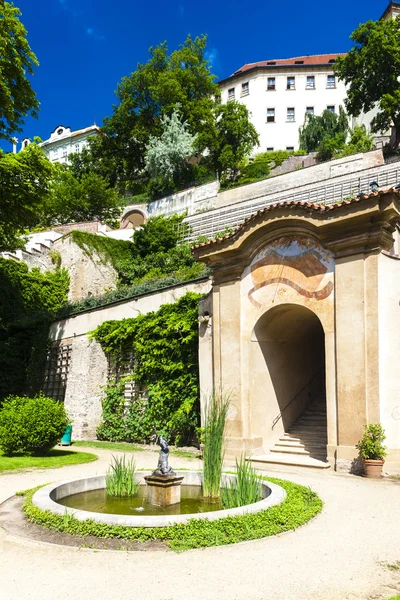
[(86, 46)]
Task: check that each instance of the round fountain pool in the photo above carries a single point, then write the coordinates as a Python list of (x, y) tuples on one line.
[(86, 499)]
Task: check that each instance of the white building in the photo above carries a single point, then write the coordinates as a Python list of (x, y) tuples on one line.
[(278, 93), (63, 142)]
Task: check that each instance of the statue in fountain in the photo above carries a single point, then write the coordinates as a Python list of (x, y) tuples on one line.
[(162, 465)]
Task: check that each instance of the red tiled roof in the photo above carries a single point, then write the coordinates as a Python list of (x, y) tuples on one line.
[(317, 59), (321, 208)]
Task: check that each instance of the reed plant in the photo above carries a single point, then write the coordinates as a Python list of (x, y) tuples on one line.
[(215, 416), (121, 477), (246, 489)]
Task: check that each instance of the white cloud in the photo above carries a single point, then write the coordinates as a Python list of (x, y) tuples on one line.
[(212, 56), (94, 34)]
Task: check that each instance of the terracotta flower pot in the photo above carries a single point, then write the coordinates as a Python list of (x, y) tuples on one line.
[(373, 468)]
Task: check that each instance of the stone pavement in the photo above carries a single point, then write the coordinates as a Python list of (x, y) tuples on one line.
[(340, 555)]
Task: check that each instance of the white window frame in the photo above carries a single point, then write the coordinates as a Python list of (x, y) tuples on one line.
[(292, 110), (331, 84), (290, 82), (77, 148), (273, 115), (312, 82), (271, 87), (289, 148), (245, 90), (270, 149), (310, 110), (231, 93), (329, 108)]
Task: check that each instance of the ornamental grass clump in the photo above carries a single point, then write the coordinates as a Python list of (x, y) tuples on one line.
[(246, 489), (213, 436), (121, 477)]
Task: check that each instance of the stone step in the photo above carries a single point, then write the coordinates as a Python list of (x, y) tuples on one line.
[(300, 451), (297, 444), (304, 429), (304, 439), (295, 461)]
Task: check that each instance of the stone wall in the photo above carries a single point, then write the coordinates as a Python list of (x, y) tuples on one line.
[(89, 275), (88, 367)]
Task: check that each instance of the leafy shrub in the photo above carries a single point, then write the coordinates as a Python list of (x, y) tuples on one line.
[(165, 346), (371, 445), (246, 489), (121, 477), (31, 425)]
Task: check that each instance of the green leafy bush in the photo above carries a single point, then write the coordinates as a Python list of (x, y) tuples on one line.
[(371, 445), (165, 346), (31, 425), (29, 302), (121, 477), (246, 489)]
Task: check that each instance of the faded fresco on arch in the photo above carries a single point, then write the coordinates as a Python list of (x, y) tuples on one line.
[(297, 262)]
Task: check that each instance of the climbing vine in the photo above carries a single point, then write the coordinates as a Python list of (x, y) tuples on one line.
[(29, 301), (165, 347), (155, 251)]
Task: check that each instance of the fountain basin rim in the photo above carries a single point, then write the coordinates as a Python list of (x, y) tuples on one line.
[(46, 499)]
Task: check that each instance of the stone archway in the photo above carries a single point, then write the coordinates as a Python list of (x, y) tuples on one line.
[(133, 219), (288, 355)]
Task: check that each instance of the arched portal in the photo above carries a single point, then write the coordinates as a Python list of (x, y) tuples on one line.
[(288, 352), (133, 219)]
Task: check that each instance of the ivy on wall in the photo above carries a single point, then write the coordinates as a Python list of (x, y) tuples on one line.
[(165, 346), (29, 301), (156, 251)]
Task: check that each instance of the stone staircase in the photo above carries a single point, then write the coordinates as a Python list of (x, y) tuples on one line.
[(304, 444)]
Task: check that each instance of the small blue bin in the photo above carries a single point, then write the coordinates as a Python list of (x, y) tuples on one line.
[(66, 438)]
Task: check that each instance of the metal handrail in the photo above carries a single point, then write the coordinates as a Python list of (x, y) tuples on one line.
[(278, 417)]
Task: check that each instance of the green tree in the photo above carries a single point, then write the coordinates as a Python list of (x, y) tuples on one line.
[(166, 156), (234, 137), (317, 128), (372, 71), (154, 90), (24, 191), (84, 199), (17, 98)]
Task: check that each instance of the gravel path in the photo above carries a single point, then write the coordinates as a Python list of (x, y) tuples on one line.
[(340, 555)]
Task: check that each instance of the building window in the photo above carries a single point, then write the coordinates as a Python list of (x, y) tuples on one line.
[(310, 83), (289, 148), (77, 148), (331, 109), (55, 153), (245, 89), (310, 110), (271, 84), (270, 149), (64, 151), (231, 94), (330, 81), (290, 83), (270, 115), (290, 114)]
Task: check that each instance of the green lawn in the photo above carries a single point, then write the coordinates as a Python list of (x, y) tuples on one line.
[(394, 597), (55, 458), (120, 446), (126, 447)]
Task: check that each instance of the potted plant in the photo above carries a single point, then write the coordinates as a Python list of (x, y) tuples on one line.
[(372, 450)]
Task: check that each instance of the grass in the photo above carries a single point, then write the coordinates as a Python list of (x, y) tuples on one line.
[(121, 477), (299, 506), (122, 446), (127, 447), (55, 458), (213, 438), (394, 597), (246, 489)]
